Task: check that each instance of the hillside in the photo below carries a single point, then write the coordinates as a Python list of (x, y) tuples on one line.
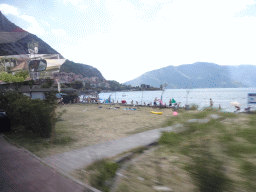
[(13, 40), (82, 69), (197, 75)]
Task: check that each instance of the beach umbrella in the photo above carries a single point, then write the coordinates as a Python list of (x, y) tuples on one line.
[(235, 103)]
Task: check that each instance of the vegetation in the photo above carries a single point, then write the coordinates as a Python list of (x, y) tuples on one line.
[(104, 172), (33, 115), (18, 77), (78, 68), (69, 98), (115, 86), (213, 156), (193, 107)]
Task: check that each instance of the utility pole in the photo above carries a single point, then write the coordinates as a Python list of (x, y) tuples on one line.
[(142, 97)]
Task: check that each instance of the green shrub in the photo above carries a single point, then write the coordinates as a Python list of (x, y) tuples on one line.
[(193, 107), (36, 115), (105, 171), (111, 168), (70, 97)]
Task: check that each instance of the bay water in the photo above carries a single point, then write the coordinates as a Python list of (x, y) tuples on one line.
[(200, 97)]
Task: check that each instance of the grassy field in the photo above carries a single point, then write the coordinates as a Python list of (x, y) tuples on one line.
[(86, 124), (216, 156), (219, 153)]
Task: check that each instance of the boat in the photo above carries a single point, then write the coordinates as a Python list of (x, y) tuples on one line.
[(159, 113)]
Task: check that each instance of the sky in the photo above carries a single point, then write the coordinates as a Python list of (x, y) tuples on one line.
[(126, 38)]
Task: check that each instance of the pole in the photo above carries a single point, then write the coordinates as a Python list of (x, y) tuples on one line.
[(141, 97)]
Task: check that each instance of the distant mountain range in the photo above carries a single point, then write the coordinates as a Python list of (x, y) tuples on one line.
[(199, 75)]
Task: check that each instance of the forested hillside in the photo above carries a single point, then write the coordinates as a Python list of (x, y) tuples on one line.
[(83, 69)]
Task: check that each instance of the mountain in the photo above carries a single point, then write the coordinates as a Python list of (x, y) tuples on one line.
[(197, 75), (83, 69), (13, 40), (243, 73)]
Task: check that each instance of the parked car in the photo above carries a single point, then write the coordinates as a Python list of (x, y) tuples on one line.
[(5, 122)]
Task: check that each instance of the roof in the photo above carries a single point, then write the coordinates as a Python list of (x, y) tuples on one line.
[(21, 66)]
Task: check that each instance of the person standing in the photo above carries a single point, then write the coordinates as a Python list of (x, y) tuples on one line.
[(211, 103), (155, 101), (170, 102)]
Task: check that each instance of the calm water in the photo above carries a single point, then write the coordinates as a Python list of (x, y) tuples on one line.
[(200, 97)]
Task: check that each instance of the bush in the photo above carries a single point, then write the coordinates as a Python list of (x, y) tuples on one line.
[(33, 114), (105, 172), (70, 97), (18, 77), (193, 107)]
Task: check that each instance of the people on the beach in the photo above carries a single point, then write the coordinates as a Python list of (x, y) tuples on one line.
[(155, 101), (132, 102), (211, 103), (137, 103), (219, 106), (237, 108), (247, 109), (170, 102)]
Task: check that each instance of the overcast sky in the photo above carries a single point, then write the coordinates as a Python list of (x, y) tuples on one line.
[(126, 38)]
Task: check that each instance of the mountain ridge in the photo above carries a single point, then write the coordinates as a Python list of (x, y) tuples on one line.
[(14, 40), (198, 75)]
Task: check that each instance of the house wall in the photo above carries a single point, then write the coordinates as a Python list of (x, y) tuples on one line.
[(38, 95)]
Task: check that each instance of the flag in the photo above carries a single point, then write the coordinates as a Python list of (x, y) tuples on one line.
[(173, 101)]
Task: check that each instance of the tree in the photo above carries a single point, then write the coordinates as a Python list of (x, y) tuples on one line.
[(77, 85), (18, 77)]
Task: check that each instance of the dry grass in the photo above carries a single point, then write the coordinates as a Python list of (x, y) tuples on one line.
[(97, 125)]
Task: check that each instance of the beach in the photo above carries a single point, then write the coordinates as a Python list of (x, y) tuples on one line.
[(200, 97)]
